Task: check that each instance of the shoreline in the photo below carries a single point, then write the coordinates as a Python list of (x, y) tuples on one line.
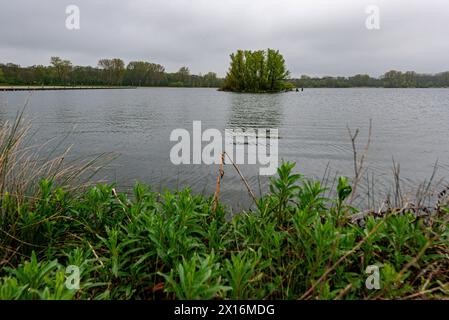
[(42, 88)]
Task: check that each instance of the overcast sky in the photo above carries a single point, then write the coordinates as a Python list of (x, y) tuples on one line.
[(316, 37)]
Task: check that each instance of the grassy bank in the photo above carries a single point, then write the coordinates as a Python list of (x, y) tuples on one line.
[(295, 244), (175, 246)]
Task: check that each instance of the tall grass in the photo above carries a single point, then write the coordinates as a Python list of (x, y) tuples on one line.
[(22, 164), (27, 174)]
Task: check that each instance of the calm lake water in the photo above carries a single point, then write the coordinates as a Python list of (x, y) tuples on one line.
[(409, 125)]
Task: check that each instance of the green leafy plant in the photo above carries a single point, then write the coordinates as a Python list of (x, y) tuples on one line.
[(245, 272), (196, 278), (36, 280), (295, 244), (343, 192), (284, 188)]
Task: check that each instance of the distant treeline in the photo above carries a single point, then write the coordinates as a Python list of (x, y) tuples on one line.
[(143, 73), (112, 72), (391, 79)]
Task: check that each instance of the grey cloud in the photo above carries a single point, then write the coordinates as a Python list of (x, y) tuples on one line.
[(317, 37)]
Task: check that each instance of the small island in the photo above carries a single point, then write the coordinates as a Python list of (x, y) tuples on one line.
[(258, 71)]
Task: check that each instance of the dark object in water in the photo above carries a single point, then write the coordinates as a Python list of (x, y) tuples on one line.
[(297, 90), (302, 89)]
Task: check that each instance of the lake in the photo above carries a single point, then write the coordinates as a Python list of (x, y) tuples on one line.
[(409, 125)]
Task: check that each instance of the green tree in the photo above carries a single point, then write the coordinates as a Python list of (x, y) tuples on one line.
[(409, 79), (392, 79), (235, 79), (276, 70), (210, 79), (113, 69), (258, 71), (445, 79), (155, 74), (87, 75), (261, 66), (183, 75), (62, 69), (360, 80), (136, 72), (144, 73)]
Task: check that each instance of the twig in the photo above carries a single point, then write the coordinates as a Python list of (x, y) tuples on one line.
[(217, 186), (243, 179), (358, 167), (95, 254), (417, 294), (344, 291)]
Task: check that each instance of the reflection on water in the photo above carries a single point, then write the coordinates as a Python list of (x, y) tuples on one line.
[(408, 124), (251, 120), (255, 111)]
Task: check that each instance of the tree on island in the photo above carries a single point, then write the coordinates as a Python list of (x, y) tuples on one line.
[(257, 71)]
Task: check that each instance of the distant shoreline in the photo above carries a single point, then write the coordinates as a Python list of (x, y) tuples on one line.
[(55, 88), (40, 88)]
